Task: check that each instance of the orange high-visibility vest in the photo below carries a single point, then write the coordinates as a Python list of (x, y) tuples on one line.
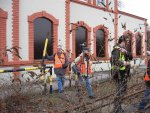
[(83, 68), (147, 77), (59, 61)]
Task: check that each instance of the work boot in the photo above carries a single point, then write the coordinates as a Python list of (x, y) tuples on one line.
[(91, 97), (61, 91)]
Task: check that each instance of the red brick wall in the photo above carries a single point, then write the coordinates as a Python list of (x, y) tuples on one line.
[(3, 19), (15, 26), (67, 27)]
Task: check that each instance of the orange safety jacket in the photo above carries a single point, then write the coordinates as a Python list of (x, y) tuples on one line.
[(83, 68), (59, 60), (147, 76)]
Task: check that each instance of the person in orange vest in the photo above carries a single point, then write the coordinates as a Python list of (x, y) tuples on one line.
[(82, 66), (60, 65), (146, 99)]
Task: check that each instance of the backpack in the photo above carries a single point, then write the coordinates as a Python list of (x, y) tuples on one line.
[(114, 68)]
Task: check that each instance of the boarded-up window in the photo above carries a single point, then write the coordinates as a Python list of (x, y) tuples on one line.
[(42, 27), (81, 37), (138, 45), (100, 43)]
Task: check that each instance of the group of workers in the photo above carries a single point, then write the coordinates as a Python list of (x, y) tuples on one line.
[(82, 67)]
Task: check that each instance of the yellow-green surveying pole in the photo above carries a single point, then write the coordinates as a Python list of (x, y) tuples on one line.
[(43, 71)]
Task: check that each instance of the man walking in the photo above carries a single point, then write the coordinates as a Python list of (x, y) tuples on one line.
[(82, 66), (60, 64)]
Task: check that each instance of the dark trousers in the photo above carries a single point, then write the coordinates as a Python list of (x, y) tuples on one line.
[(88, 84), (146, 99), (121, 86), (121, 83)]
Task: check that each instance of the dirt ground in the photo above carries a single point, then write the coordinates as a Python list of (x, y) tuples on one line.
[(31, 100)]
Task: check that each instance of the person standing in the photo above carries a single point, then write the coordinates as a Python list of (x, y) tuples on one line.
[(60, 65), (146, 98), (82, 66), (118, 70)]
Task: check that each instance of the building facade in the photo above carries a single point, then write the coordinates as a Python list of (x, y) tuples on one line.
[(69, 23)]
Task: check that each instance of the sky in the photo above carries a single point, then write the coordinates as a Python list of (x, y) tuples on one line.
[(137, 7)]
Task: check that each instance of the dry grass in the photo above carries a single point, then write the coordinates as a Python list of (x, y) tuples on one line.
[(32, 101)]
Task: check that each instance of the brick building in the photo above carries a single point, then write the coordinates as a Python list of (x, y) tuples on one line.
[(99, 23)]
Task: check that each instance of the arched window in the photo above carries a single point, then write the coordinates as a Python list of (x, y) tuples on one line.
[(100, 43), (129, 45), (42, 27), (138, 45), (81, 37)]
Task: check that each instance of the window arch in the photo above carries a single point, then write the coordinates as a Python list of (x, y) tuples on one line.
[(42, 26), (101, 41), (81, 37), (129, 35), (80, 28), (138, 38), (54, 34)]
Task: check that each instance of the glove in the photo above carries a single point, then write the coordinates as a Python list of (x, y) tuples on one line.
[(123, 50), (126, 63), (64, 66)]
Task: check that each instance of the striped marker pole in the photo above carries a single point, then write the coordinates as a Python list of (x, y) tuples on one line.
[(43, 70), (51, 81), (23, 69)]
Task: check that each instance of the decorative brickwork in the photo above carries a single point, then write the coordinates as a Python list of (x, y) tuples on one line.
[(93, 3), (101, 27), (3, 19), (67, 27), (132, 41), (15, 26), (31, 31), (74, 27), (116, 20)]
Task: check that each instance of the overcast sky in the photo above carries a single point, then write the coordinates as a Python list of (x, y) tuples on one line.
[(137, 7)]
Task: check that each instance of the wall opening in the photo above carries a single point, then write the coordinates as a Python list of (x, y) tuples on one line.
[(100, 43), (81, 37), (42, 26)]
